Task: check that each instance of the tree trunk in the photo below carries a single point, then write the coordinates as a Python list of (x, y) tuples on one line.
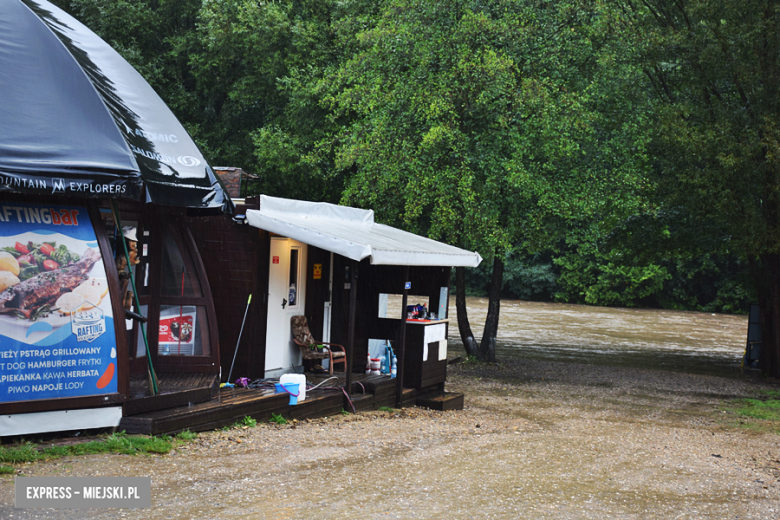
[(466, 336), (487, 348), (766, 276)]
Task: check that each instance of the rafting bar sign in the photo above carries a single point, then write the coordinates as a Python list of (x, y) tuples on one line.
[(57, 336)]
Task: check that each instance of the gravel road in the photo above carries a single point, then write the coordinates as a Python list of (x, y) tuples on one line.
[(536, 440)]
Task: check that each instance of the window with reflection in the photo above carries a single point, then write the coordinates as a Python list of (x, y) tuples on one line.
[(294, 278), (178, 272), (183, 328)]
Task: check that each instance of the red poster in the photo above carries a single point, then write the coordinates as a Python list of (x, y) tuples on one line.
[(179, 328)]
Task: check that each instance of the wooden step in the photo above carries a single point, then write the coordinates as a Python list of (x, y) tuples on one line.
[(168, 400), (444, 402), (362, 403), (230, 405), (175, 390)]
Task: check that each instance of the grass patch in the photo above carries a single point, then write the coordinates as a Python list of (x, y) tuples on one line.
[(344, 412), (768, 410), (6, 470), (761, 414), (771, 394), (278, 419), (386, 409), (114, 443), (187, 436), (17, 454)]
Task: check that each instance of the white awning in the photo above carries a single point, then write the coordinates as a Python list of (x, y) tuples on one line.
[(352, 233)]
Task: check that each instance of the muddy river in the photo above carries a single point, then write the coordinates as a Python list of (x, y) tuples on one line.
[(692, 342)]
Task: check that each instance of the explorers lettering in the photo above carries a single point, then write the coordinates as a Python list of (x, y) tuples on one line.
[(89, 187), (59, 185)]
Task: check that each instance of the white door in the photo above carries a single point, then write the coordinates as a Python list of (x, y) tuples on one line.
[(286, 298)]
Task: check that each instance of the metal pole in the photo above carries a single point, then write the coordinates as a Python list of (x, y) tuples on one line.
[(351, 331), (401, 347), (230, 374)]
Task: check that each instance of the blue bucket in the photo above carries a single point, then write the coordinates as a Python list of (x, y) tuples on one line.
[(292, 389), (278, 388)]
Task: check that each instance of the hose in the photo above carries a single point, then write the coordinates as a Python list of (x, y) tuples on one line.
[(323, 382), (269, 383)]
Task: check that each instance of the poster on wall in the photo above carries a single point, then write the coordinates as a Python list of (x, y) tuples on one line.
[(177, 330), (56, 322)]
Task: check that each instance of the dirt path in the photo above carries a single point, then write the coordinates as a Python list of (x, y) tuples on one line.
[(537, 440)]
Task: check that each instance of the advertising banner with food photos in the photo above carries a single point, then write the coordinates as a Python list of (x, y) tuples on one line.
[(56, 322)]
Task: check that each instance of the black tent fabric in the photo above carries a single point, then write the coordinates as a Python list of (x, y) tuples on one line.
[(77, 120)]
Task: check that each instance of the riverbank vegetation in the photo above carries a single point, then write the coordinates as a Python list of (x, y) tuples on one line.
[(611, 153), (706, 283)]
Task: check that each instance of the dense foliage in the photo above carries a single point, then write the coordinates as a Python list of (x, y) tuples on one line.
[(610, 153), (705, 282), (713, 69)]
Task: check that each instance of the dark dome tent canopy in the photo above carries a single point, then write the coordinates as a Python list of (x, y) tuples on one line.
[(82, 137), (77, 120)]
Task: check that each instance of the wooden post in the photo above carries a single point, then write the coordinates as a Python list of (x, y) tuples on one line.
[(353, 265), (401, 346)]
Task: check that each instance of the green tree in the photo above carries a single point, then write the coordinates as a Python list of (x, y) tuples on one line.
[(286, 147), (248, 47), (159, 39), (488, 124), (236, 74), (714, 69), (665, 259)]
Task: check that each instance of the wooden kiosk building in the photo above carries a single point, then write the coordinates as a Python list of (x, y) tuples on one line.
[(351, 278)]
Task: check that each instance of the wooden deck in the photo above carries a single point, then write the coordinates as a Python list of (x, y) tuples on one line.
[(229, 405), (175, 389)]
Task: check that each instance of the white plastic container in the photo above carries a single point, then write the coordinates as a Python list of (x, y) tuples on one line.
[(298, 379)]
